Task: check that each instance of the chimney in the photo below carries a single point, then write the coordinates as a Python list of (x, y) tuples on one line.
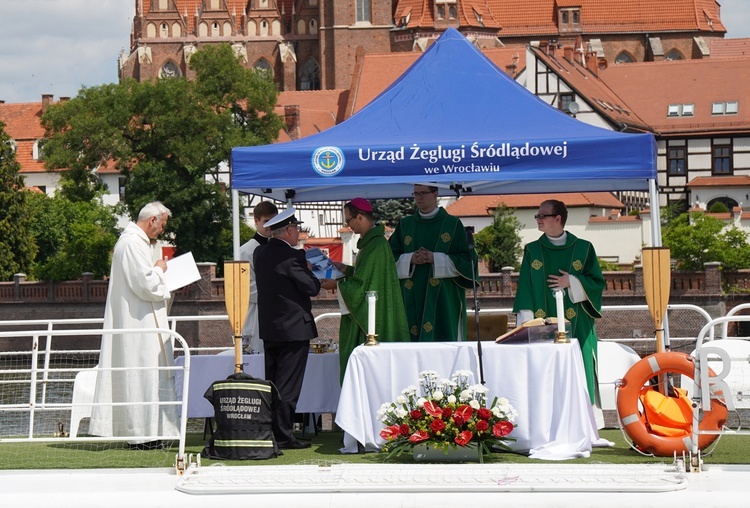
[(592, 62), (46, 101), (568, 52), (64, 99), (2, 101), (291, 118)]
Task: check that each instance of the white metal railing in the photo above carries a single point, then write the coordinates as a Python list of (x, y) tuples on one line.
[(40, 372)]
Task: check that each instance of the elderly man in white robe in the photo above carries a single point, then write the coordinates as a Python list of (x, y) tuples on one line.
[(137, 298)]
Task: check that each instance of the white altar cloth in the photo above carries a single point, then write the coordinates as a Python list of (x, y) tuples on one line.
[(320, 387), (545, 382)]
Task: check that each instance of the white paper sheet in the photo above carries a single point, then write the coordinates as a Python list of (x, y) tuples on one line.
[(181, 271)]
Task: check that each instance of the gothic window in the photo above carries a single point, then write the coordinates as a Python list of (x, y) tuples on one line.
[(309, 75), (263, 4), (151, 30), (313, 27), (264, 27), (176, 30), (452, 12), (163, 30), (364, 13), (441, 12), (203, 30), (721, 158), (169, 70), (624, 57), (252, 28), (215, 5), (263, 65), (301, 26), (673, 55), (276, 27), (163, 5), (227, 32), (215, 29)]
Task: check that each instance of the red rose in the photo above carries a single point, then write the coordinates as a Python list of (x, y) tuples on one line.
[(433, 409), (391, 432), (482, 425), (437, 426), (484, 413), (419, 436), (502, 429), (404, 430), (464, 411), (463, 438), (415, 414), (447, 412), (458, 420)]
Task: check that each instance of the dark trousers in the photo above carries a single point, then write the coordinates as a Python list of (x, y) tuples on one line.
[(285, 367)]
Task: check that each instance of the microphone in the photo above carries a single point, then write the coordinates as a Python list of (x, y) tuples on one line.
[(470, 236)]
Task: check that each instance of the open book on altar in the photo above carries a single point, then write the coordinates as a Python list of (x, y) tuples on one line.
[(535, 330), (322, 266)]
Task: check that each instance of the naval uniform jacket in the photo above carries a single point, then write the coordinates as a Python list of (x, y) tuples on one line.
[(285, 286)]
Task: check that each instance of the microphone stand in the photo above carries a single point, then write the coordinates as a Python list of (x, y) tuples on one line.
[(470, 241)]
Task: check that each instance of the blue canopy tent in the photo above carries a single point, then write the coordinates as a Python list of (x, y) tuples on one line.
[(454, 120)]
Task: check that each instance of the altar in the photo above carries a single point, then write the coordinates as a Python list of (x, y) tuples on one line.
[(545, 382), (320, 387)]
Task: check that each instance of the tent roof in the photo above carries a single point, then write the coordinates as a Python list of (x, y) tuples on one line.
[(455, 120)]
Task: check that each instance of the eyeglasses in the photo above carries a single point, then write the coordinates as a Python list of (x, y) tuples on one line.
[(294, 226), (421, 194), (542, 216), (346, 221)]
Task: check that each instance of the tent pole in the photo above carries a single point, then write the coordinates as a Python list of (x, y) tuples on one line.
[(653, 196), (236, 224)]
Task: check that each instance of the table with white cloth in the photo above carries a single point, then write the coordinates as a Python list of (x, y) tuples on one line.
[(320, 387), (545, 382)]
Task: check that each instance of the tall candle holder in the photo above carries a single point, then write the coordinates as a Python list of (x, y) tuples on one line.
[(560, 336), (372, 297)]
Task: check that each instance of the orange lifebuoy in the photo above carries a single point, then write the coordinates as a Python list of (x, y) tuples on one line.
[(634, 420)]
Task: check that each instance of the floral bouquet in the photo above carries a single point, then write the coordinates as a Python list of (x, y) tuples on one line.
[(449, 412)]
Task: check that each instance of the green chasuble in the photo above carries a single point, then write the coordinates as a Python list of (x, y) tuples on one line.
[(435, 308), (577, 257), (374, 270)]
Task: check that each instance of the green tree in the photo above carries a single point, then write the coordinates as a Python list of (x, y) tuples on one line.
[(17, 248), (500, 244), (73, 236), (391, 211), (168, 139), (695, 239)]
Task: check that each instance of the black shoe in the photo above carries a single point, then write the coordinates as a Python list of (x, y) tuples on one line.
[(294, 445), (150, 445), (303, 438)]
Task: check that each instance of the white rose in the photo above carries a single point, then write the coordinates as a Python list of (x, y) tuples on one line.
[(421, 401), (401, 412), (401, 399), (465, 395), (438, 395), (474, 404), (451, 399)]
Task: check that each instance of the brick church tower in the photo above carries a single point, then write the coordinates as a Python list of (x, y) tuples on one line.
[(306, 44)]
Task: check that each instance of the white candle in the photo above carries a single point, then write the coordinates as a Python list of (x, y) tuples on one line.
[(560, 310), (372, 296)]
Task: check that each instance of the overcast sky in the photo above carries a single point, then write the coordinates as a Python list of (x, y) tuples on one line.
[(58, 46)]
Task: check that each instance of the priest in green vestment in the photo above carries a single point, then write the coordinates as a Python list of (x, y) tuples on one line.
[(434, 265), (559, 260), (374, 270)]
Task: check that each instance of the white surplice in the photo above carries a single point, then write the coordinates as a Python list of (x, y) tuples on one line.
[(250, 335), (137, 298)]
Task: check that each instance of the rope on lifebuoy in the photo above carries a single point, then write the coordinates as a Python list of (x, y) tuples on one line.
[(633, 419)]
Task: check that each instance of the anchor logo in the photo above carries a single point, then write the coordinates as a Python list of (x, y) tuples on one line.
[(328, 160)]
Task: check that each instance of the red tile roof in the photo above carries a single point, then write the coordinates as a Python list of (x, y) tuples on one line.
[(319, 109), (479, 206), (649, 88), (379, 71), (730, 48), (524, 17), (589, 86), (22, 125), (720, 181)]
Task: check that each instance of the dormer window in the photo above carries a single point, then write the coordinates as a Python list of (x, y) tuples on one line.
[(445, 9), (13, 145), (37, 151), (569, 19), (479, 18)]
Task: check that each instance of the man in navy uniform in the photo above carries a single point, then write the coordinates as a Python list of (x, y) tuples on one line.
[(286, 324)]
